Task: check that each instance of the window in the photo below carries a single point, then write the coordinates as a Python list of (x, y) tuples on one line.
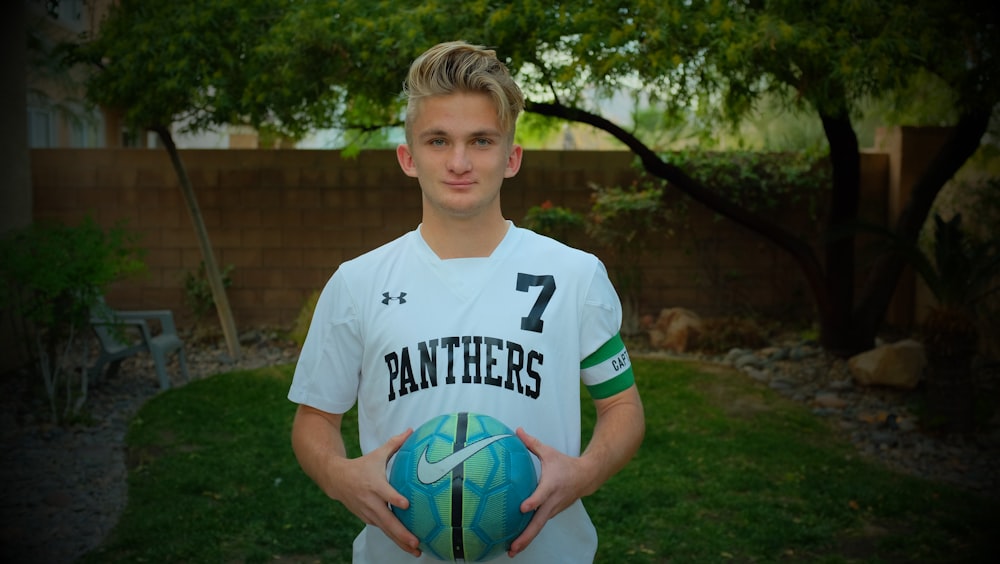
[(131, 138), (41, 129), (69, 11), (86, 127), (139, 138), (66, 13)]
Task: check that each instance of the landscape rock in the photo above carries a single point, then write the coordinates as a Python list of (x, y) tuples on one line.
[(675, 330), (830, 400), (897, 365)]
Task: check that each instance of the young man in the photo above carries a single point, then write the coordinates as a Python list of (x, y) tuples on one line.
[(466, 313)]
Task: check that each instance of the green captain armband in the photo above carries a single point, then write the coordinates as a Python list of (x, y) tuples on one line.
[(608, 370)]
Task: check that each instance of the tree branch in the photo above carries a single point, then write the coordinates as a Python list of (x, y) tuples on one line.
[(799, 251)]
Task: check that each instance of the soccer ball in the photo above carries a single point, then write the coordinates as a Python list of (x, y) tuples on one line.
[(465, 475)]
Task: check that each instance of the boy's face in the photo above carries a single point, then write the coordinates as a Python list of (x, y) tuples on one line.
[(459, 154)]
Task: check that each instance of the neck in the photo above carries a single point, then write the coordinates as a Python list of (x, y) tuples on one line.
[(464, 239)]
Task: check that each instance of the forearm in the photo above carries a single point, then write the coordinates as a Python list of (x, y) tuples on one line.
[(359, 483), (565, 479), (319, 447), (618, 433)]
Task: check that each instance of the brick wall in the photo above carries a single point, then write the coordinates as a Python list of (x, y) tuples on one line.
[(286, 218)]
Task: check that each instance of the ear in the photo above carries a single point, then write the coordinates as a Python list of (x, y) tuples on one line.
[(513, 161), (405, 158)]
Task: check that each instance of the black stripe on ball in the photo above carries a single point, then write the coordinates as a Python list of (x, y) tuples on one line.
[(457, 479)]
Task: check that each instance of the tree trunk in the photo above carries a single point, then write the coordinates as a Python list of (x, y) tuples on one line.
[(836, 333), (208, 255)]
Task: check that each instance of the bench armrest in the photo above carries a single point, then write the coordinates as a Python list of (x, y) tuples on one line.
[(164, 316)]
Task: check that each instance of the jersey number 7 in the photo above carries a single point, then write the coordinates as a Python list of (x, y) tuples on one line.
[(533, 322)]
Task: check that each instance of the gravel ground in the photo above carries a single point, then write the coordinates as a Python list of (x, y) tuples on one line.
[(64, 487)]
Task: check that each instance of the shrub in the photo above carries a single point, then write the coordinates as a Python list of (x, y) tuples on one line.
[(50, 276), (553, 221), (719, 335), (304, 319), (198, 291), (623, 220)]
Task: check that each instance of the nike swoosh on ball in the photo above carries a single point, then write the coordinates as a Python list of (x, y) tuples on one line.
[(429, 472)]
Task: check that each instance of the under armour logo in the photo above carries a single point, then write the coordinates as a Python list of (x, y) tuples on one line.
[(386, 298)]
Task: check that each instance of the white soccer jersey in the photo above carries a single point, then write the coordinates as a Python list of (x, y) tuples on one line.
[(408, 336)]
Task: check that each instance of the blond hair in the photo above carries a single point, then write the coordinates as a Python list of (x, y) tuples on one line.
[(457, 66)]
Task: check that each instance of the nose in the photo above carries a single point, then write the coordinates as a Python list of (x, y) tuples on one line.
[(458, 160)]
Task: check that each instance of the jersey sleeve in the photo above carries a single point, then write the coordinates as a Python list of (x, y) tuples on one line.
[(329, 366), (606, 368)]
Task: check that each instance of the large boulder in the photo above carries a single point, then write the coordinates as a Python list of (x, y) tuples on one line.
[(676, 329), (897, 365)]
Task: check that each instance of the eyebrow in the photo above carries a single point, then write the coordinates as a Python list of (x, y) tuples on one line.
[(474, 134)]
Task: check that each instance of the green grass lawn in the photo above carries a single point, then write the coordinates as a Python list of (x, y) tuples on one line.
[(729, 471)]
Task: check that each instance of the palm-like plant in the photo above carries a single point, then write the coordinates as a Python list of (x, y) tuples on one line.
[(961, 275)]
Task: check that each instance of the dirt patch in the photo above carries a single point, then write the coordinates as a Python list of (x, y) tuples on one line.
[(731, 392), (867, 543)]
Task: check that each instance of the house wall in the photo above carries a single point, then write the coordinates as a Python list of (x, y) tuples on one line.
[(286, 218)]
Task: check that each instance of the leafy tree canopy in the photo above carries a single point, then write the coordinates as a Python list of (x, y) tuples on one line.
[(178, 61), (299, 66), (715, 57), (295, 66)]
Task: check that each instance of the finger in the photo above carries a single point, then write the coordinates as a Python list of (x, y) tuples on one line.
[(527, 535), (397, 441), (537, 447), (405, 540), (394, 498), (390, 524), (542, 492), (386, 520), (528, 440), (389, 494)]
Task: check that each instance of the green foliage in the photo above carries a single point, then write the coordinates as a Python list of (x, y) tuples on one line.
[(729, 470), (760, 182), (50, 276), (977, 200), (624, 218), (304, 65), (720, 335), (184, 60), (304, 319), (621, 220), (963, 271), (959, 271), (52, 273), (553, 221), (198, 291)]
